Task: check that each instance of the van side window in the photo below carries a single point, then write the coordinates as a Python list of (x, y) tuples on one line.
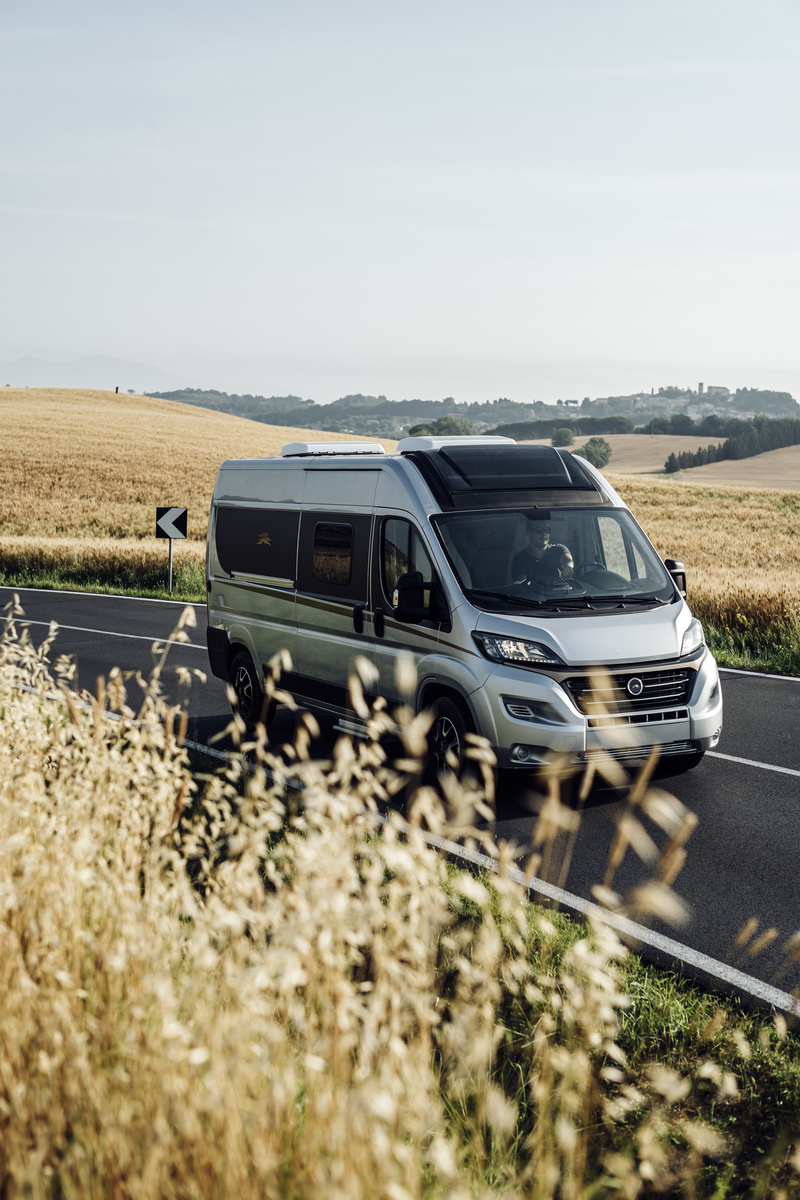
[(402, 550), (332, 553), (257, 541)]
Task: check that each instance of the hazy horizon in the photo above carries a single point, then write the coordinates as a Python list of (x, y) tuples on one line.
[(106, 373), (540, 201)]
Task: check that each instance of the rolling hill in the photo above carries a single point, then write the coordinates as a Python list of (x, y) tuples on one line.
[(92, 464)]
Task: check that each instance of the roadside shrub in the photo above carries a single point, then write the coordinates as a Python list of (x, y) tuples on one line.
[(563, 437)]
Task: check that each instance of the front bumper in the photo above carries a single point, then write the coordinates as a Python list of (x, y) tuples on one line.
[(538, 720)]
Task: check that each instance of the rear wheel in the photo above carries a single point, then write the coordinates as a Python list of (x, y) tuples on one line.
[(250, 701)]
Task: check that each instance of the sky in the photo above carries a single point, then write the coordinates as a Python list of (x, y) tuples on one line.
[(538, 199)]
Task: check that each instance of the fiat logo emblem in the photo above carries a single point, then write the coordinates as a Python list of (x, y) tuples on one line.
[(635, 687)]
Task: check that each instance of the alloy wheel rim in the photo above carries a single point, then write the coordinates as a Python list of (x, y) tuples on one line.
[(446, 741), (243, 686)]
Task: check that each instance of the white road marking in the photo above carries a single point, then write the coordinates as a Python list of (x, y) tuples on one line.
[(764, 992), (139, 637), (749, 762), (758, 674), (6, 587)]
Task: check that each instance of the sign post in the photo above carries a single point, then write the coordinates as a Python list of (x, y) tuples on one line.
[(171, 523)]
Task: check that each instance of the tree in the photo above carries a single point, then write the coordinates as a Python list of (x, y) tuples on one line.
[(563, 436), (443, 427), (597, 451), (682, 424), (672, 392)]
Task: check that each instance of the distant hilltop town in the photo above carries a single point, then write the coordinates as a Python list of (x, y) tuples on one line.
[(377, 416)]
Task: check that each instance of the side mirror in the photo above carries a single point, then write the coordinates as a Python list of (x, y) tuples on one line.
[(408, 598), (678, 572)]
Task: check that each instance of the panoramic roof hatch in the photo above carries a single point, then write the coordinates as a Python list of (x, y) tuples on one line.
[(483, 475), (504, 468)]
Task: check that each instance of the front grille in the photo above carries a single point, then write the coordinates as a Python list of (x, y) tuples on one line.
[(639, 718), (635, 753), (602, 696)]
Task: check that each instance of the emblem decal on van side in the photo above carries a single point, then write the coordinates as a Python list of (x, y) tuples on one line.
[(264, 540)]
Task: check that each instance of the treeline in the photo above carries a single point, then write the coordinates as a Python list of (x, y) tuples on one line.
[(759, 435), (255, 408), (376, 415), (682, 425), (762, 400), (524, 431), (356, 409)]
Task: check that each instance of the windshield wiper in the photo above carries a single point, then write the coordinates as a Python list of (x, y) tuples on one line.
[(526, 601), (626, 600)]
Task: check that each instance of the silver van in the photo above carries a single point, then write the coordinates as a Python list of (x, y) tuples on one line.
[(535, 609)]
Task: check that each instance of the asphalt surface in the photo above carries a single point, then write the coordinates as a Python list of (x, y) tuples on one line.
[(743, 857)]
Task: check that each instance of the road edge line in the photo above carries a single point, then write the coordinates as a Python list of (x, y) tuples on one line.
[(10, 587)]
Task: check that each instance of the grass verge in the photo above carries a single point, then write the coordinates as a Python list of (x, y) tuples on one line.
[(760, 635), (122, 569)]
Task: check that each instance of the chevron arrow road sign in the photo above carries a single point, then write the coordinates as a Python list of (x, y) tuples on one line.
[(171, 522)]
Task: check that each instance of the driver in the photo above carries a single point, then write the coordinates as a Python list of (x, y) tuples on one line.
[(542, 561)]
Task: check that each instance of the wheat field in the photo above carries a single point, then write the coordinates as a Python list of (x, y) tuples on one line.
[(640, 454), (91, 464), (741, 547)]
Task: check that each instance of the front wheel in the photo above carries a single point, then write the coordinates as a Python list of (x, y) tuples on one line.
[(447, 741)]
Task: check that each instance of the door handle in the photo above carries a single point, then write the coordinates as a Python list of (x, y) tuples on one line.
[(358, 618), (378, 621)]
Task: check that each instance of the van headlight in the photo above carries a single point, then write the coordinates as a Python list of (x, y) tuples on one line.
[(693, 638), (512, 650)]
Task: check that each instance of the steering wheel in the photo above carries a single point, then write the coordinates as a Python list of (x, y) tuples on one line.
[(552, 588), (590, 565)]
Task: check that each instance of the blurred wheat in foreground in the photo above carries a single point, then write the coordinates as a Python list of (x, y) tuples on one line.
[(212, 996)]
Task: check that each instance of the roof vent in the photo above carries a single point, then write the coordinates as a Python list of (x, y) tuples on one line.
[(438, 443), (309, 449)]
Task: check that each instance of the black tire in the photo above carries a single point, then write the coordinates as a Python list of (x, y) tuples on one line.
[(447, 742), (250, 701)]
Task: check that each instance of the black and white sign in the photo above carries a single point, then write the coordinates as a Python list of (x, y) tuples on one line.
[(171, 522)]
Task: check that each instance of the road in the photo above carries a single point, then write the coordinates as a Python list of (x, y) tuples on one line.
[(743, 858)]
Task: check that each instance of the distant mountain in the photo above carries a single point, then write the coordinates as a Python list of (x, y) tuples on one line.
[(97, 371)]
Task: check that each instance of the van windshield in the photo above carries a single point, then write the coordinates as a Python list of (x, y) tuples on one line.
[(570, 557)]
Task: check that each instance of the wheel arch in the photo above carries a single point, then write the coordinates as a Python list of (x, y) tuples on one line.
[(433, 690)]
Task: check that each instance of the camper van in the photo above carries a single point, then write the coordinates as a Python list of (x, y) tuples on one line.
[(534, 609)]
